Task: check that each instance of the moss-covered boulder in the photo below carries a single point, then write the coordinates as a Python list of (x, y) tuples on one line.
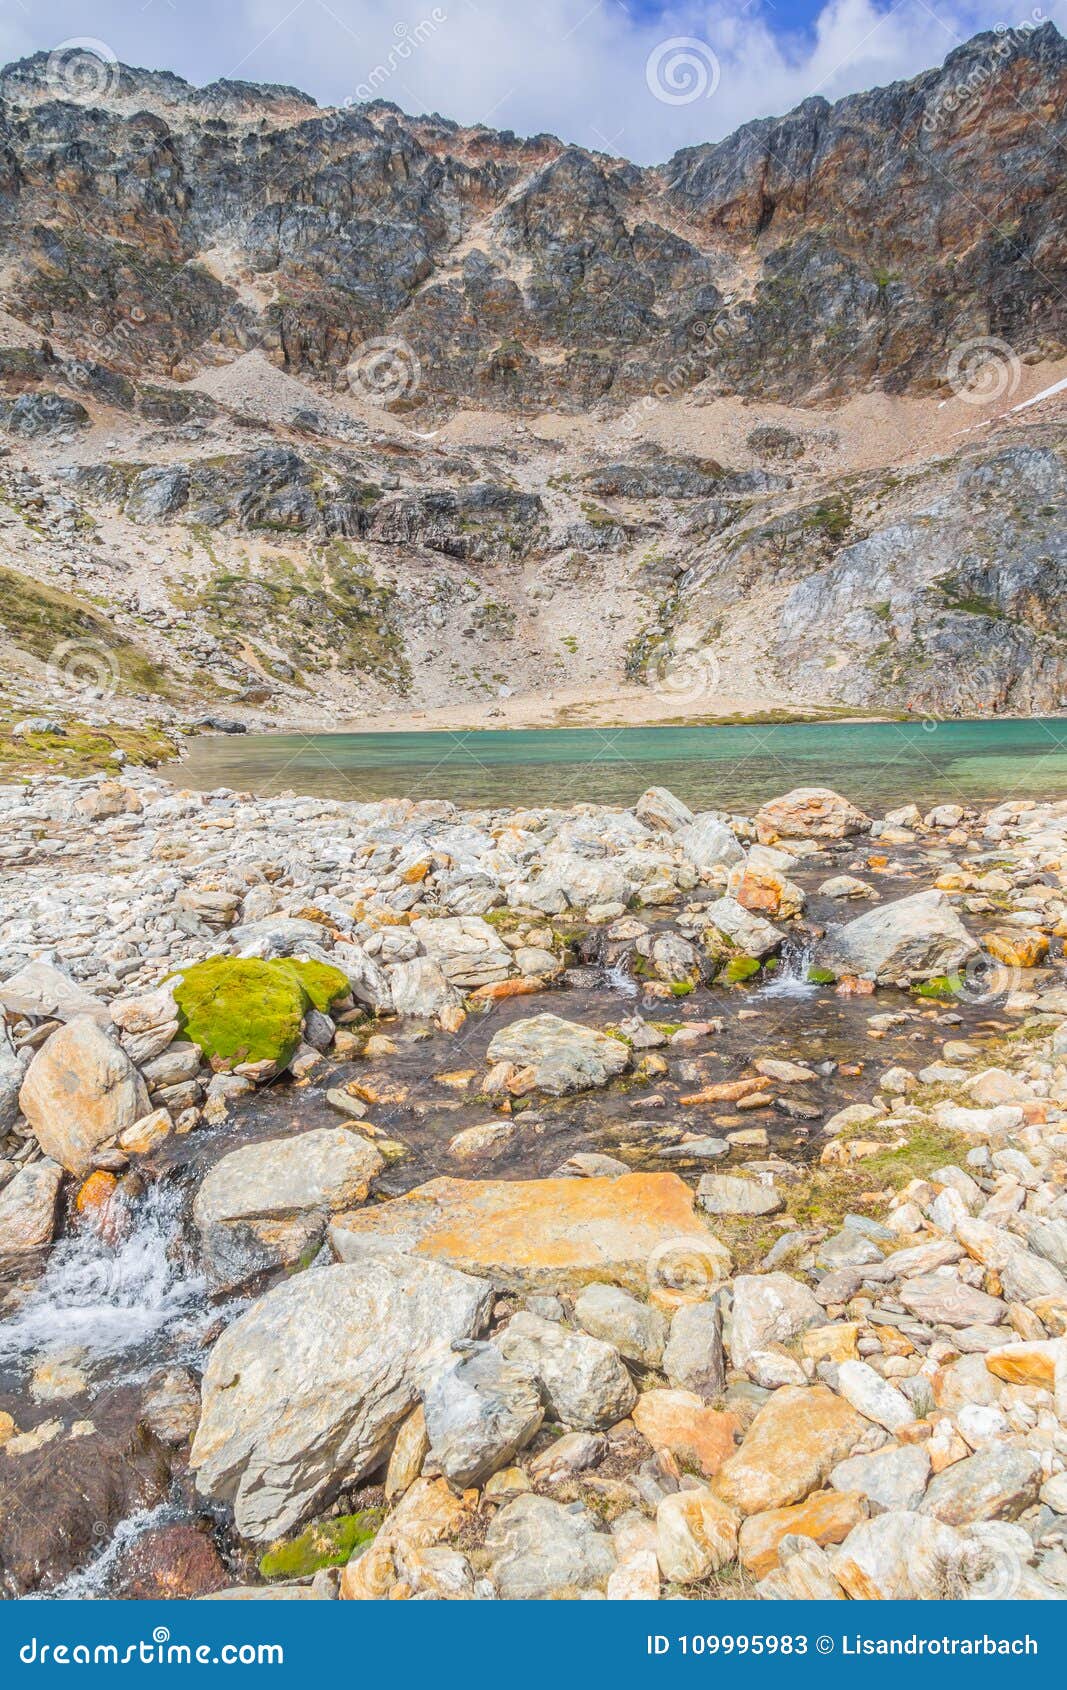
[(327, 1543), (239, 1009), (325, 985)]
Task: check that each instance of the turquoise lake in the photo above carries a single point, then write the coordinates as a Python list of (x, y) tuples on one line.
[(877, 764)]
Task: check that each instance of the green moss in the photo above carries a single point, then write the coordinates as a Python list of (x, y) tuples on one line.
[(740, 968), (821, 976), (682, 988), (324, 984), (328, 1543), (239, 1009), (939, 986)]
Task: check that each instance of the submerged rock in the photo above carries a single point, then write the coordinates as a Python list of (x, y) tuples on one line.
[(563, 1055)]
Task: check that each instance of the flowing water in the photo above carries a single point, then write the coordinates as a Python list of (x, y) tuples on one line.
[(878, 764), (104, 1298)]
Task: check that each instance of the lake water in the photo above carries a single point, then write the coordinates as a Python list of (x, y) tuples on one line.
[(877, 764)]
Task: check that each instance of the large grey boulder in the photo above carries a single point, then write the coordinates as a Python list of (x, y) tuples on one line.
[(636, 1330), (584, 1381), (564, 1055), (996, 1483), (890, 1478), (915, 938), (540, 1549), (479, 1414), (420, 987), (694, 1359), (304, 1392), (80, 1090), (267, 1205)]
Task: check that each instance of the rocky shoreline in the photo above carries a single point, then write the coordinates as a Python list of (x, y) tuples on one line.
[(530, 1203)]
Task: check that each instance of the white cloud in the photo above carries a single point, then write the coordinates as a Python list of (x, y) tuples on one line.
[(574, 67)]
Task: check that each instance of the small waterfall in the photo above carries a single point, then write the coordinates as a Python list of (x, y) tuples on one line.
[(105, 1298), (790, 979), (616, 979), (92, 1580)]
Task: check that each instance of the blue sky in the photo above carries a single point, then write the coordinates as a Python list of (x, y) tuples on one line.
[(633, 77)]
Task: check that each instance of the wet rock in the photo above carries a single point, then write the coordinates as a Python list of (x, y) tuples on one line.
[(171, 1407), (584, 1381), (539, 1549), (81, 1089), (479, 1414), (637, 1231), (729, 924), (171, 1562), (914, 938), (28, 1204), (306, 1389), (564, 1056), (267, 1205)]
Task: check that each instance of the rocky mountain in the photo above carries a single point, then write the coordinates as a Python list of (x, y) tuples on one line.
[(322, 413)]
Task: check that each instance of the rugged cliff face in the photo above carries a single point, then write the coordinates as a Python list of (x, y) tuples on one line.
[(167, 224), (316, 413)]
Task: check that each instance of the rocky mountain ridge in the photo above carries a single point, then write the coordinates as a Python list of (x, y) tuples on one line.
[(312, 416)]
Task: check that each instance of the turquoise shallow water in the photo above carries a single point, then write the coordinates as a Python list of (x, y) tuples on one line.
[(878, 764)]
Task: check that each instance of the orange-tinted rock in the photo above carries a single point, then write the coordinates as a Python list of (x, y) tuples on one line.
[(1016, 947), (175, 1561), (826, 1517), (640, 1231), (795, 1439), (809, 812), (683, 1423)]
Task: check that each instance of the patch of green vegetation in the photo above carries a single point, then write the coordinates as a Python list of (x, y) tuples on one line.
[(821, 976), (681, 988), (48, 623), (570, 641), (81, 750), (324, 984), (832, 517), (939, 986), (328, 1543), (740, 968), (239, 1009)]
